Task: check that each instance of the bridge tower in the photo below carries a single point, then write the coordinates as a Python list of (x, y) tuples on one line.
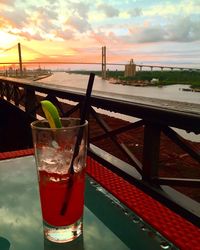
[(20, 59), (103, 62)]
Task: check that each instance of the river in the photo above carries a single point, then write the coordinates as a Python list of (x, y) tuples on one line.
[(79, 82), (101, 87)]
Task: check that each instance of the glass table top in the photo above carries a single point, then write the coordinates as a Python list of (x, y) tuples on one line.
[(108, 224)]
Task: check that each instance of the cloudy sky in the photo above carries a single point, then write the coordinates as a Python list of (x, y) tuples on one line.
[(163, 32)]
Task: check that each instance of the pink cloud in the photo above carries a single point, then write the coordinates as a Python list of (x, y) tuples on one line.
[(79, 24)]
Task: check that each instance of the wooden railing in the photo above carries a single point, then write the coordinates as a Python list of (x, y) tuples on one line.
[(154, 117)]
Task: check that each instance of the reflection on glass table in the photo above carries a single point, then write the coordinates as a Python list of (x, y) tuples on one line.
[(108, 224)]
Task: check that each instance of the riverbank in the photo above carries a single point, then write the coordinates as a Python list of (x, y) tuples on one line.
[(33, 77), (43, 76), (145, 83)]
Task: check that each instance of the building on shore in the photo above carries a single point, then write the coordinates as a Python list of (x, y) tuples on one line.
[(130, 69)]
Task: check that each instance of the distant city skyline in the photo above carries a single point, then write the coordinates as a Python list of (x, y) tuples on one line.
[(150, 32)]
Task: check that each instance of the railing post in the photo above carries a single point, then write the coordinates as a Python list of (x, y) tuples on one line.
[(30, 101), (16, 96), (151, 150), (8, 90), (1, 89)]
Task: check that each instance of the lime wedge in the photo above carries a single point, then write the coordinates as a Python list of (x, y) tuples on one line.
[(51, 114)]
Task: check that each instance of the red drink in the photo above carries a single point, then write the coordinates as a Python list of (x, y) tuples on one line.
[(61, 192), (54, 189)]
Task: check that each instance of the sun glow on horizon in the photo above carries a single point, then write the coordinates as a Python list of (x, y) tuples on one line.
[(7, 40)]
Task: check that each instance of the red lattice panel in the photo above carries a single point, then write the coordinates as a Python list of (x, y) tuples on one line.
[(181, 232), (14, 154)]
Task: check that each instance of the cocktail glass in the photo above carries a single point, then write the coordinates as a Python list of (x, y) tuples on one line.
[(59, 184)]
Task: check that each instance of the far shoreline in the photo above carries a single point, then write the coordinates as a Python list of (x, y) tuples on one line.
[(145, 83)]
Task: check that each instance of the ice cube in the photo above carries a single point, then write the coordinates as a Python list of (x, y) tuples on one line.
[(55, 160)]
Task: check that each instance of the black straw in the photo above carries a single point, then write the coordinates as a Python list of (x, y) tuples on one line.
[(83, 115)]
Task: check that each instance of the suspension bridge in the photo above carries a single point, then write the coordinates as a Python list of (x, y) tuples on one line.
[(21, 56)]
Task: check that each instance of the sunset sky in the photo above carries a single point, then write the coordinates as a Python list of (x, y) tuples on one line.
[(150, 32)]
